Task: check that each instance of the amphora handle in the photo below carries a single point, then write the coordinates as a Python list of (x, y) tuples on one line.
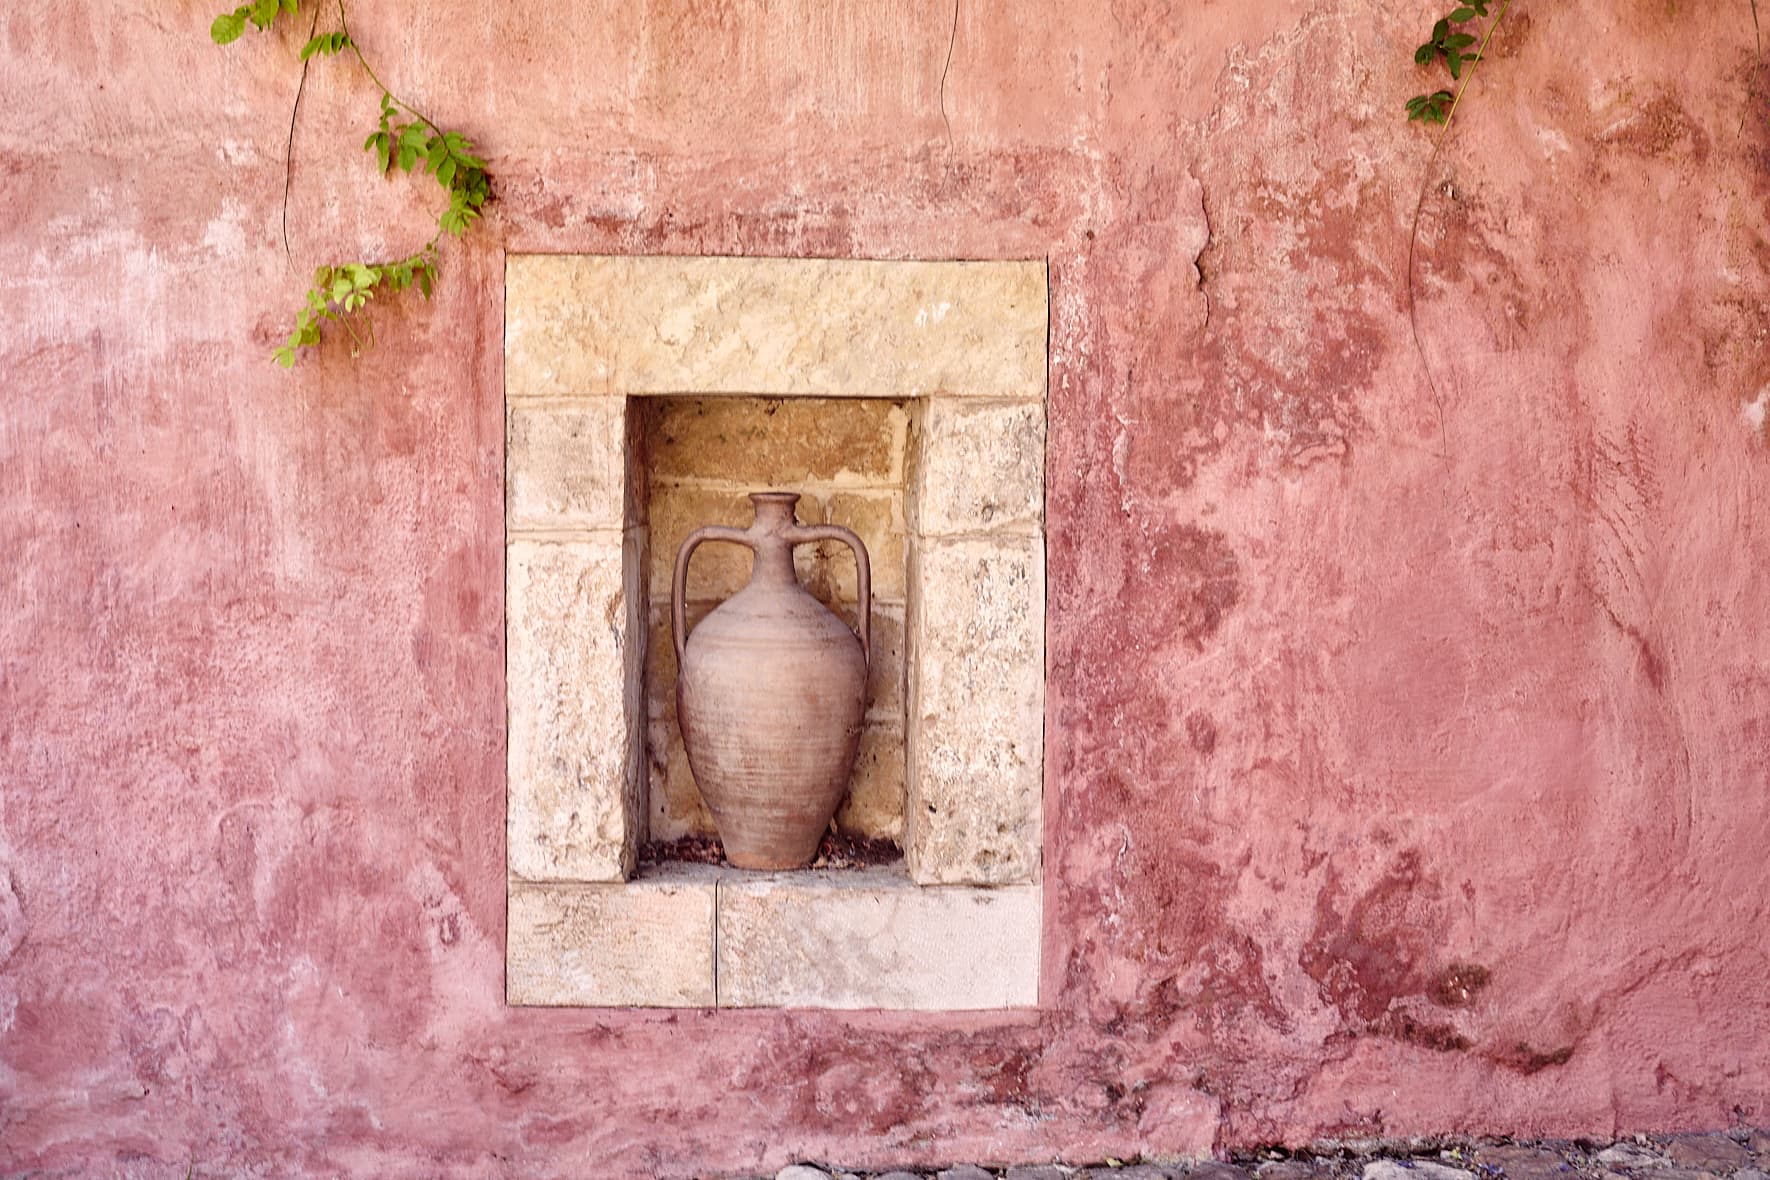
[(802, 534), (795, 535), (679, 583)]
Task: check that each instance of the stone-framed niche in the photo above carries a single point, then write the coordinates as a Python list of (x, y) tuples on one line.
[(905, 400)]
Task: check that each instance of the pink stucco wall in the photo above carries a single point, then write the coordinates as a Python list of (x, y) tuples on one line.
[(1408, 755)]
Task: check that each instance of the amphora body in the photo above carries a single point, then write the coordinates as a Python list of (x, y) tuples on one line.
[(771, 691)]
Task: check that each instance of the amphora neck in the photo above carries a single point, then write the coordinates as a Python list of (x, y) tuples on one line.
[(769, 532)]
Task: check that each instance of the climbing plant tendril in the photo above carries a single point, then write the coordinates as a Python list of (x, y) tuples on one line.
[(405, 137), (1757, 63), (1460, 51)]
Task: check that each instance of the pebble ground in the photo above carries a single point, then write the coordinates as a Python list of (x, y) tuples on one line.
[(1739, 1154)]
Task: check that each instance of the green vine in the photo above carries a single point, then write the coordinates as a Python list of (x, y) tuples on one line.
[(1460, 51), (404, 137)]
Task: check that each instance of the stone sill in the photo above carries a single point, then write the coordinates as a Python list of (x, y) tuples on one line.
[(701, 936)]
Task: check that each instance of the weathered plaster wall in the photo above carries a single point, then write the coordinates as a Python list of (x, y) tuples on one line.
[(1408, 752)]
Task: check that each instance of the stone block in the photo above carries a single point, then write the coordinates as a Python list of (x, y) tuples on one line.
[(977, 468), (975, 711), (766, 443), (1709, 1151), (874, 806), (677, 808), (555, 344), (566, 465), (1388, 1169), (827, 568), (1629, 1155), (1297, 1169), (647, 943), (886, 675), (871, 939), (1511, 1160), (635, 552), (577, 325), (574, 642), (1211, 1170)]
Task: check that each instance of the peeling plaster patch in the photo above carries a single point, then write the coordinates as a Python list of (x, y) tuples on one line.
[(1554, 143), (446, 919), (1121, 460), (1753, 411), (12, 935), (12, 918), (226, 234), (235, 153)]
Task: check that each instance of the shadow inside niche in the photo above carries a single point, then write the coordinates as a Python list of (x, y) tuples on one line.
[(838, 851)]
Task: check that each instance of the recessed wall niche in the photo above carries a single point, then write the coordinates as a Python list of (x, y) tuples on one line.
[(905, 400), (846, 457)]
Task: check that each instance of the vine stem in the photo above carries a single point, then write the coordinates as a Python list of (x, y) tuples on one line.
[(356, 342), (344, 27), (952, 41), (289, 148), (1413, 236), (1757, 63)]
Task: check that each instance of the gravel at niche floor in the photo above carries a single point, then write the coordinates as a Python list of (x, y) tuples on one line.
[(1739, 1154)]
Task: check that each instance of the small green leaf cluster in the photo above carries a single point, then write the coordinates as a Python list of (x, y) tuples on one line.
[(229, 25), (342, 293), (1431, 108), (1458, 50), (446, 155), (325, 44)]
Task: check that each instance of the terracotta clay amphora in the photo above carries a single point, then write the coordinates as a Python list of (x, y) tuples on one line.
[(770, 692)]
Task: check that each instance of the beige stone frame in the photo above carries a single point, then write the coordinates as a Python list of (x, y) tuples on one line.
[(958, 925)]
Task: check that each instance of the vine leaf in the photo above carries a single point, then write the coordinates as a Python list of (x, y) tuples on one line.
[(1441, 107), (341, 293), (228, 27), (1448, 43), (327, 44), (1430, 108)]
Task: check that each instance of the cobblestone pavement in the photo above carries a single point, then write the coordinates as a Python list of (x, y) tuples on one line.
[(1740, 1154)]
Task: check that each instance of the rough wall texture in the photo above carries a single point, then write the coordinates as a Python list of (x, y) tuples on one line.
[(1407, 751)]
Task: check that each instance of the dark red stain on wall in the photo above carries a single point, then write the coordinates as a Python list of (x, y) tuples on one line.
[(1405, 738)]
